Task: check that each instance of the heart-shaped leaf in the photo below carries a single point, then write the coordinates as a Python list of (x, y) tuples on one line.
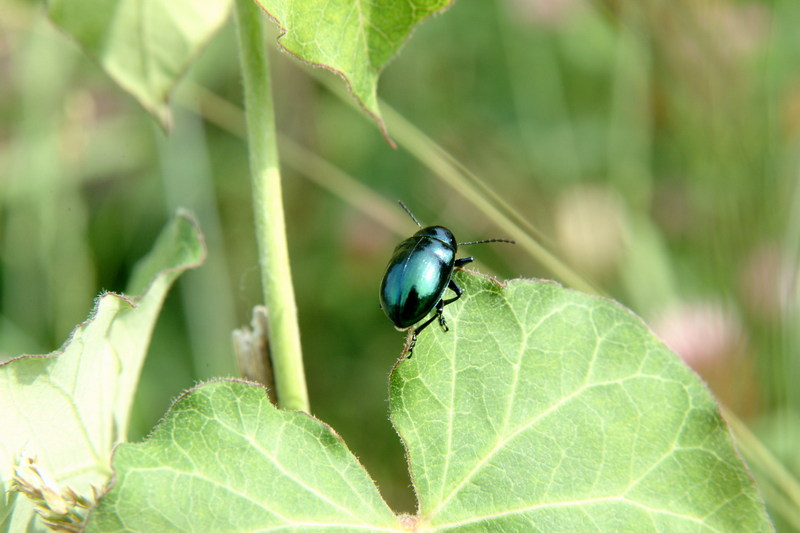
[(69, 408), (354, 38), (144, 45), (225, 459), (545, 409)]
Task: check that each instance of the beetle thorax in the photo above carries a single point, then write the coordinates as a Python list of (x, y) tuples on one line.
[(439, 233)]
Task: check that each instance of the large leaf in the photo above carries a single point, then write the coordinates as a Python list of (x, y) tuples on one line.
[(225, 459), (69, 408), (144, 45), (544, 409), (354, 38)]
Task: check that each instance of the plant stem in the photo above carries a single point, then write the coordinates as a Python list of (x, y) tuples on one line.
[(760, 457), (474, 189), (276, 277)]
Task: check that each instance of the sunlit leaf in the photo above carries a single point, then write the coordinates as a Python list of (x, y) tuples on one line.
[(69, 408), (354, 38), (225, 459), (544, 409)]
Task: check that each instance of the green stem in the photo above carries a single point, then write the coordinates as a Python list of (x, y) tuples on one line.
[(276, 277), (763, 460), (471, 187)]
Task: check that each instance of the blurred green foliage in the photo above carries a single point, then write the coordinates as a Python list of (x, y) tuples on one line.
[(655, 144)]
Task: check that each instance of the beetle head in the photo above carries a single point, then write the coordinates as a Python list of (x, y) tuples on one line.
[(440, 233)]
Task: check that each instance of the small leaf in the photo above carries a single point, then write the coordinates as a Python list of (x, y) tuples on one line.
[(544, 409), (225, 459), (144, 45), (353, 38), (69, 408)]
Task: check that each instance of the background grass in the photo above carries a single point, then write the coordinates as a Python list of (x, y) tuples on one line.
[(653, 146)]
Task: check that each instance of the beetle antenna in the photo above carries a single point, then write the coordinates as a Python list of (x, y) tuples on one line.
[(487, 240), (407, 210)]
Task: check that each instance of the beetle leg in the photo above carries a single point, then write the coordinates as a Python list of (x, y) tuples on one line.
[(424, 325), (463, 261), (453, 286), (411, 346), (440, 314), (456, 289)]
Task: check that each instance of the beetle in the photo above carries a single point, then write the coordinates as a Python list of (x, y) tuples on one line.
[(419, 273)]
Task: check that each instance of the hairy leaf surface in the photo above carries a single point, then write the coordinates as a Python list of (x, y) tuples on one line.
[(225, 459), (354, 38), (545, 409)]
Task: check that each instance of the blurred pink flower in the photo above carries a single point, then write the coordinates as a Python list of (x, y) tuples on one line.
[(768, 283), (546, 12), (711, 339), (704, 334)]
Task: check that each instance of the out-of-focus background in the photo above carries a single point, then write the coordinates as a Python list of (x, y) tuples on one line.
[(654, 145)]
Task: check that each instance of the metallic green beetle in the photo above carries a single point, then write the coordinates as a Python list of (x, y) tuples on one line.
[(419, 272)]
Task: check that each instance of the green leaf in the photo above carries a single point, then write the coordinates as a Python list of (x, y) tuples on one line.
[(144, 45), (545, 409), (353, 38), (225, 459), (542, 409), (69, 408)]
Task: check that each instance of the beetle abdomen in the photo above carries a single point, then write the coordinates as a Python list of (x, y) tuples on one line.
[(416, 279)]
